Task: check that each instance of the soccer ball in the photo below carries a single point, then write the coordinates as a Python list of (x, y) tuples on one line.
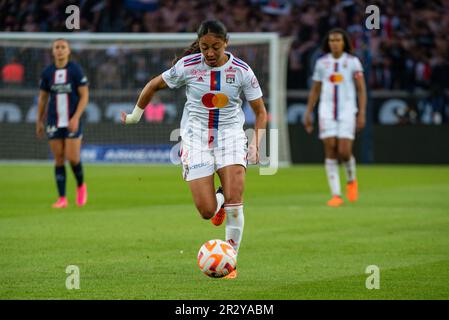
[(217, 258)]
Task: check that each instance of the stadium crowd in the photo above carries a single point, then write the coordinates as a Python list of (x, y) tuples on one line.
[(409, 52)]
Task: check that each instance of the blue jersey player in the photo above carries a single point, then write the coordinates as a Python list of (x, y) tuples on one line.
[(63, 96)]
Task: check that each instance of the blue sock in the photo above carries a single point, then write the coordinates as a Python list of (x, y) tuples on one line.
[(60, 179), (78, 172)]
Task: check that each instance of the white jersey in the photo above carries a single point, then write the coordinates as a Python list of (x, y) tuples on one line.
[(338, 99), (213, 93)]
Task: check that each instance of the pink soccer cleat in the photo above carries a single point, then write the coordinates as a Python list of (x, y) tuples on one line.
[(61, 203), (81, 195)]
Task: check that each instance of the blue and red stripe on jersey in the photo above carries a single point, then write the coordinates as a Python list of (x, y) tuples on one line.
[(336, 94), (192, 60), (240, 63), (215, 80)]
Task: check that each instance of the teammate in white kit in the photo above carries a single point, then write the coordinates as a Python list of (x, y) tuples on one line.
[(336, 78), (212, 136)]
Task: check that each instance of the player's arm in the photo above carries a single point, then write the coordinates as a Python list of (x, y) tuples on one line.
[(260, 111), (311, 102), (361, 96), (83, 92), (145, 97), (41, 107)]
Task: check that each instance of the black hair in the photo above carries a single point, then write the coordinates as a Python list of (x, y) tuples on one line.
[(346, 39), (209, 26)]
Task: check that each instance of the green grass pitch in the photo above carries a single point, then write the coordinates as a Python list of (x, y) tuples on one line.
[(139, 234)]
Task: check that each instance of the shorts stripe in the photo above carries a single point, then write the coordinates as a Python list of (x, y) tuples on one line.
[(213, 127)]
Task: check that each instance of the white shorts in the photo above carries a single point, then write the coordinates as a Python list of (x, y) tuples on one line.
[(202, 157), (343, 129)]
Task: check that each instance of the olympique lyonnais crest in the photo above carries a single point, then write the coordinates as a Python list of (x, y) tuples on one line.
[(230, 78)]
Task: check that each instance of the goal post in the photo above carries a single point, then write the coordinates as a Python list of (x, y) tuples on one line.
[(117, 66)]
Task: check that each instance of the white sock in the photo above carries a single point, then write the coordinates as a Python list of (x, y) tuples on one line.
[(234, 224), (220, 201), (333, 176), (350, 169)]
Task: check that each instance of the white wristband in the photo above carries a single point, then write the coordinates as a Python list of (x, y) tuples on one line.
[(135, 116)]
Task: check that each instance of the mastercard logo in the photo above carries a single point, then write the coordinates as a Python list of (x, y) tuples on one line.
[(218, 100), (336, 78)]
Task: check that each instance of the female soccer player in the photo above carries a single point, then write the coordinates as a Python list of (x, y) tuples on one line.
[(212, 136), (64, 88), (337, 76)]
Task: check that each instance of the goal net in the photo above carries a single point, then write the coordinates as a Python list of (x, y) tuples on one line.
[(118, 66)]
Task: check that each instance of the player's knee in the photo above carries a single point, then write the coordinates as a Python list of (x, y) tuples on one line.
[(206, 213), (59, 159), (235, 197), (344, 155), (73, 161), (331, 153)]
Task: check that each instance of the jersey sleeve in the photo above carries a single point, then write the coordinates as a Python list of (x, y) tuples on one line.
[(317, 72), (80, 77), (357, 65), (174, 77), (357, 68), (251, 87), (44, 83)]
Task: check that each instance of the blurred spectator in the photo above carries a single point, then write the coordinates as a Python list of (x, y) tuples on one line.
[(408, 52), (141, 5), (141, 74), (438, 83), (280, 7), (155, 111), (108, 75), (13, 73)]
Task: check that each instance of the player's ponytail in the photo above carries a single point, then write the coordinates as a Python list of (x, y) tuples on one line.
[(208, 26), (194, 48)]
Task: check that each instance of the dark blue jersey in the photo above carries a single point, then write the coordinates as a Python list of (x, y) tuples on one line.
[(62, 84)]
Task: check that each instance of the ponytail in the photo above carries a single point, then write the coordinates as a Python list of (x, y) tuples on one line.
[(194, 48)]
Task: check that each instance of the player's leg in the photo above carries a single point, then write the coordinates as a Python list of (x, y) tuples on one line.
[(332, 170), (232, 180), (73, 155), (198, 171), (328, 134), (231, 161), (57, 149), (220, 213), (346, 134), (203, 194), (347, 158)]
